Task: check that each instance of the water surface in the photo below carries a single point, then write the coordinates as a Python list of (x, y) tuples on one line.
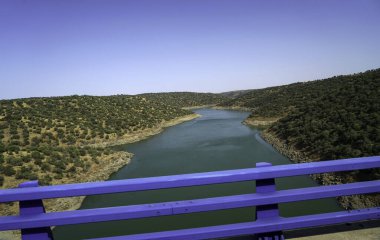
[(216, 141)]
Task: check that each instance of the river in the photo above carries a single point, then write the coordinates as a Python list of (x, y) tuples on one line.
[(216, 141)]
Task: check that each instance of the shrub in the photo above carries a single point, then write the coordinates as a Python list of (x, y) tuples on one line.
[(45, 180), (14, 161), (1, 180), (37, 155), (13, 148), (8, 170)]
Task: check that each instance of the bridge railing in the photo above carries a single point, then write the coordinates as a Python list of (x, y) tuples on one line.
[(35, 223)]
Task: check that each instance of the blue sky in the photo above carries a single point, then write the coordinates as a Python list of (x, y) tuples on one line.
[(106, 47)]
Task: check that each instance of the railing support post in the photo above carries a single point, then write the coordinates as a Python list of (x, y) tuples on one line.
[(267, 212), (33, 207)]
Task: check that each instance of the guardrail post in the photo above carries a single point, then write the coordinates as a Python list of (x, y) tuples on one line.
[(33, 207), (267, 212)]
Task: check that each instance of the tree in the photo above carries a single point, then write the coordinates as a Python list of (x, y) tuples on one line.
[(37, 155), (1, 180), (8, 170)]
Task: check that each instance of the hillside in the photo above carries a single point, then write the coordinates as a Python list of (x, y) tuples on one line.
[(59, 139), (319, 120), (344, 122), (54, 139), (185, 99), (277, 102), (333, 118), (234, 94)]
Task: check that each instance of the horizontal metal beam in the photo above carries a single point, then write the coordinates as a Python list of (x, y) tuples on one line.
[(249, 228), (185, 180), (182, 207)]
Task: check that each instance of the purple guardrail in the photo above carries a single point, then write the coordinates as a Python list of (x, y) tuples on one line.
[(35, 223)]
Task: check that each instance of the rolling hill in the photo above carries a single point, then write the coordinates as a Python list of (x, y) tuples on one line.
[(334, 118), (56, 138)]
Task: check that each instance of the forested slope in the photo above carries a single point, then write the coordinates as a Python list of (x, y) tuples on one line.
[(334, 118), (277, 102), (185, 99), (55, 139), (343, 122), (235, 94), (337, 117), (49, 138)]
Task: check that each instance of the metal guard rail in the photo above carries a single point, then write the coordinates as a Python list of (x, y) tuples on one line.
[(35, 223)]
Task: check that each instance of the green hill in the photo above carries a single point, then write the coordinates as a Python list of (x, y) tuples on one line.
[(55, 139), (334, 118), (342, 122), (185, 99), (235, 94), (277, 102)]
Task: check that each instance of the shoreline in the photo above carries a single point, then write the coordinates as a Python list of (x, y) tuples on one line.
[(346, 202), (200, 106), (108, 166), (115, 162), (261, 123), (145, 133)]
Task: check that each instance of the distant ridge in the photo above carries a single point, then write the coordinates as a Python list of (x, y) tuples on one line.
[(185, 99), (236, 93)]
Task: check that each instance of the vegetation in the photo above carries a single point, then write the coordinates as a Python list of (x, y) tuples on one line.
[(277, 102), (55, 138), (341, 120), (344, 122), (326, 119), (185, 99), (333, 118), (235, 94)]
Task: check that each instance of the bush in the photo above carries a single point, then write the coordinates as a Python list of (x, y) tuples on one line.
[(14, 161), (46, 180), (13, 148), (36, 141), (37, 155), (45, 167), (8, 170)]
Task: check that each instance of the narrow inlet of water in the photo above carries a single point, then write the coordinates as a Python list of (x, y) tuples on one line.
[(216, 141)]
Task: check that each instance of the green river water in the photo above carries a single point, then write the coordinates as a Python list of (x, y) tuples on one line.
[(216, 141)]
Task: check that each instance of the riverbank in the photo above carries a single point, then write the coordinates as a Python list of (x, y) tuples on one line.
[(260, 123), (347, 202), (143, 134), (200, 106), (101, 172), (257, 122)]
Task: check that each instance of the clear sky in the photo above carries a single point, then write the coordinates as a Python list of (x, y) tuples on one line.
[(106, 47)]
